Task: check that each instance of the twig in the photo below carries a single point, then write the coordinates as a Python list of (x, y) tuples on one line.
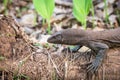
[(54, 65)]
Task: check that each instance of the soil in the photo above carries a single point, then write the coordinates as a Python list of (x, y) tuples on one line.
[(15, 50)]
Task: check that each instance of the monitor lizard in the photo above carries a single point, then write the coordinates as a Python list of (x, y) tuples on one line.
[(98, 41)]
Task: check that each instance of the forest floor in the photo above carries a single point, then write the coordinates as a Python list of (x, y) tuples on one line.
[(26, 55)]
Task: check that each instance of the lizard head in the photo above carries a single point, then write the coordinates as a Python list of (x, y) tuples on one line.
[(67, 36), (55, 38)]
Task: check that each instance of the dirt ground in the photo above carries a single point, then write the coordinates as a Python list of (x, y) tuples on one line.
[(19, 59)]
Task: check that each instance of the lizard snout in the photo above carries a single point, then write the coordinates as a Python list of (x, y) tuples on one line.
[(50, 39)]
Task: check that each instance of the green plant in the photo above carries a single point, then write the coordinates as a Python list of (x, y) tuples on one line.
[(81, 8), (105, 10), (118, 13), (45, 9), (21, 77), (93, 14), (2, 58), (38, 45), (5, 3)]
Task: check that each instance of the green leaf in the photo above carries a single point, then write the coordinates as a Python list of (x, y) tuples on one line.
[(44, 7), (81, 9)]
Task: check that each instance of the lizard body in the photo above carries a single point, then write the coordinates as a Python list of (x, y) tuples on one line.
[(81, 37), (98, 41)]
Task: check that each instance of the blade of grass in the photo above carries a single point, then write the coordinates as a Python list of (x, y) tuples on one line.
[(105, 10)]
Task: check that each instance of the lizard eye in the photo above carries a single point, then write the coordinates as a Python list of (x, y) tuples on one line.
[(58, 37)]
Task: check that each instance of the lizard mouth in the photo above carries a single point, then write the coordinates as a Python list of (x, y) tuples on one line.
[(49, 40)]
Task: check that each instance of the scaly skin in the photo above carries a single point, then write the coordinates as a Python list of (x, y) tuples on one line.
[(99, 42)]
